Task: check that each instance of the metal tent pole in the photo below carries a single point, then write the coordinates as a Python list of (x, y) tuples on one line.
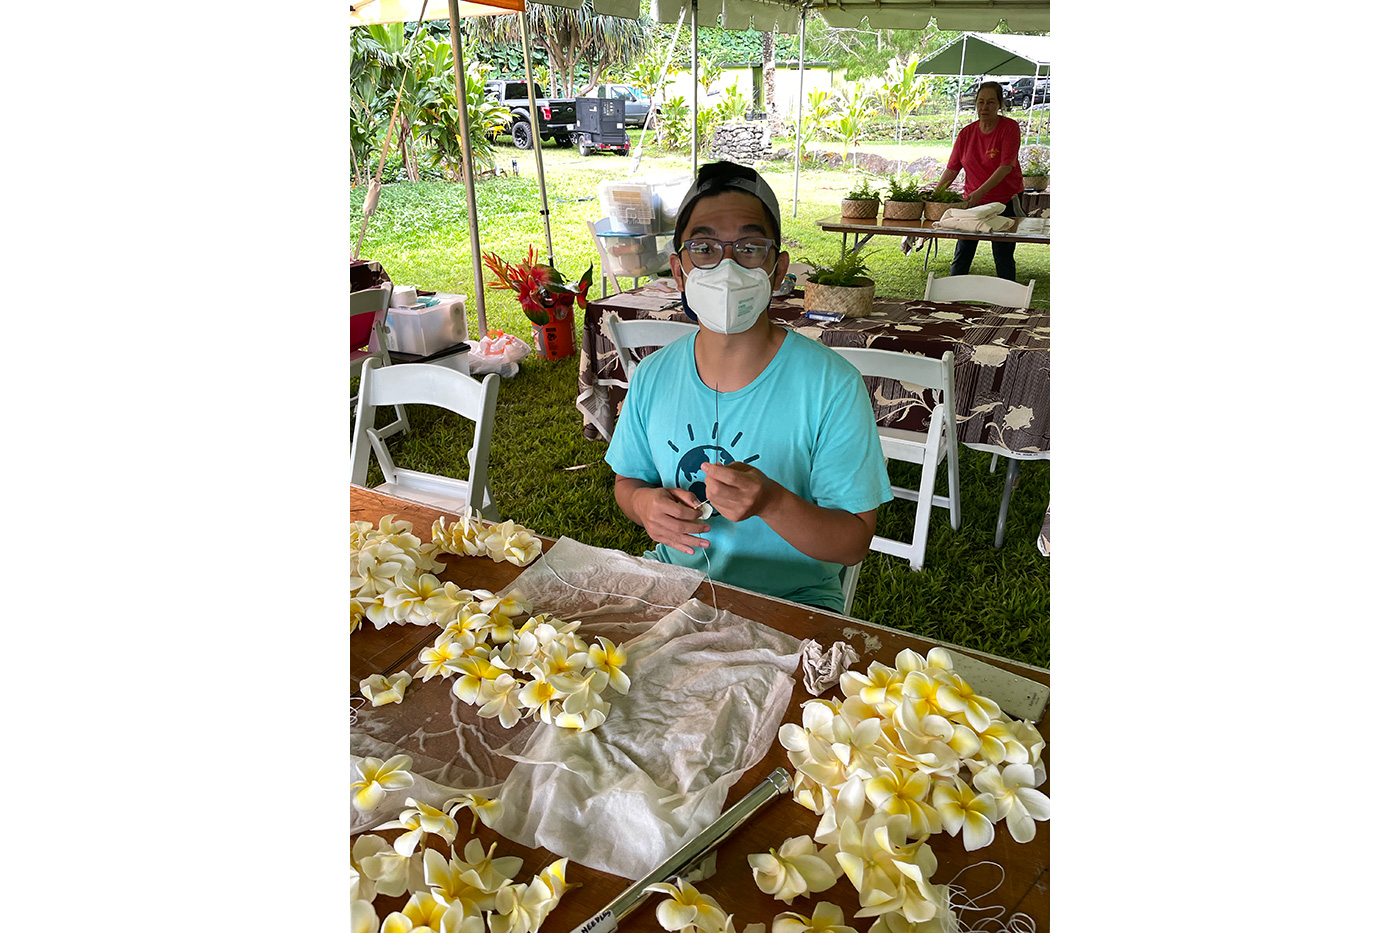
[(694, 88), (797, 153), (535, 130), (468, 168), (957, 92)]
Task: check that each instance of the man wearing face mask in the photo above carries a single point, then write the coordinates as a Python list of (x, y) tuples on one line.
[(747, 444)]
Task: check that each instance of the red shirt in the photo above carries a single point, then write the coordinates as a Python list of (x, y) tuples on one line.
[(980, 154)]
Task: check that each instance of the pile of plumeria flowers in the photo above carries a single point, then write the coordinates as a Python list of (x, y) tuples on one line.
[(487, 639), (884, 769), (470, 893)]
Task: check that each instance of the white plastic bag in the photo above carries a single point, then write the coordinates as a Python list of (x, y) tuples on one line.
[(498, 353)]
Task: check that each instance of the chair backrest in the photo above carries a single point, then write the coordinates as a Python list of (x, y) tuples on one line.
[(629, 335), (933, 373), (603, 265), (988, 288), (423, 384), (368, 309)]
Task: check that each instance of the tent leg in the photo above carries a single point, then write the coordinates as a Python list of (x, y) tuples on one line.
[(957, 92), (694, 88), (535, 133), (797, 151), (468, 168)]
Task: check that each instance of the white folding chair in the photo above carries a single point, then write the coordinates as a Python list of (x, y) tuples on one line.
[(426, 384), (927, 449), (849, 577), (988, 288), (631, 335), (1013, 469), (375, 301)]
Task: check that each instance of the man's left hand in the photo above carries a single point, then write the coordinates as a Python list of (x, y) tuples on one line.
[(738, 490)]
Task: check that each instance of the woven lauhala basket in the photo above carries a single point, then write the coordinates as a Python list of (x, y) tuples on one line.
[(904, 210), (860, 209), (935, 209), (852, 302)]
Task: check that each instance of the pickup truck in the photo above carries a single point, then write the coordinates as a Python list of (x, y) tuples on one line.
[(555, 115), (637, 104)]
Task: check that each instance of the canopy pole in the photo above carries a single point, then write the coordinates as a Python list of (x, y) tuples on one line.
[(797, 152), (655, 96), (957, 91), (535, 131), (694, 88), (468, 168)]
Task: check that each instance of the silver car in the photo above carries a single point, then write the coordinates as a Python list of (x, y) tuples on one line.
[(636, 103)]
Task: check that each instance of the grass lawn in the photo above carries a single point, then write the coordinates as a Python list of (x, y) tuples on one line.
[(968, 592)]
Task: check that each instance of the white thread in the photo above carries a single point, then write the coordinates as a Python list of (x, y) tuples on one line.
[(1018, 922), (354, 710)]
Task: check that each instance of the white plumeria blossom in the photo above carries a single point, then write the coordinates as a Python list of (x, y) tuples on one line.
[(825, 918), (686, 909), (363, 919), (382, 869), (504, 541), (380, 690), (418, 819), (794, 869), (445, 648), (889, 765), (377, 778)]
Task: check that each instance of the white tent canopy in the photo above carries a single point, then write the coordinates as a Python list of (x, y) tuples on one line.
[(990, 54)]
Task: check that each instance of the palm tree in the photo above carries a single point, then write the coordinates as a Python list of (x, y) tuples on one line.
[(572, 38)]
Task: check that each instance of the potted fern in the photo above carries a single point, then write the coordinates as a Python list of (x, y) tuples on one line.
[(936, 202), (844, 286), (906, 200), (863, 202)]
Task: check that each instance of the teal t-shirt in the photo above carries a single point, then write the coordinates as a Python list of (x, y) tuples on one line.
[(806, 422)]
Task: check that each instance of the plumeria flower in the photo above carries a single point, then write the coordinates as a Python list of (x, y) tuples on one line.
[(380, 690), (848, 806), (688, 908), (446, 603), (363, 919), (537, 697), (512, 543), (453, 882), (359, 533), (1002, 743), (523, 907), (421, 913), (957, 696), (357, 612), (794, 869), (963, 809), (500, 699), (889, 872), (895, 922), (486, 872), (879, 685), (898, 792), (378, 567), (1031, 738), (1018, 802), (384, 870), (408, 599), (920, 696), (485, 809), (476, 669), (826, 918), (378, 778), (456, 919), (510, 605), (583, 707), (609, 659), (418, 819), (444, 649), (460, 627)]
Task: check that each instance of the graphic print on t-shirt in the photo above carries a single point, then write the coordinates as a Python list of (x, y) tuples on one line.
[(688, 473)]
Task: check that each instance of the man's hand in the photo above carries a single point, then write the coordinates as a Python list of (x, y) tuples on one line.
[(668, 515), (739, 490)]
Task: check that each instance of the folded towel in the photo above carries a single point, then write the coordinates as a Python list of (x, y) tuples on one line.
[(980, 212), (973, 225)]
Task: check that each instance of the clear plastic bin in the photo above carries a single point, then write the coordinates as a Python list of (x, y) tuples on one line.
[(635, 255), (422, 331), (647, 205)]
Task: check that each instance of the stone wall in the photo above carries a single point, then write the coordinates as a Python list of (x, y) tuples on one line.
[(742, 142)]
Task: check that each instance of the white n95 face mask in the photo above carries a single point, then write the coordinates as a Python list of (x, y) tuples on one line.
[(728, 299)]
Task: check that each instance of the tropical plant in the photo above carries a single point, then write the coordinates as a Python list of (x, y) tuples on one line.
[(705, 121), (734, 104), (943, 196), (1035, 160), (849, 271), (820, 105), (540, 288), (850, 125), (437, 103), (574, 39), (650, 72), (904, 92), (673, 124), (906, 188), (863, 192)]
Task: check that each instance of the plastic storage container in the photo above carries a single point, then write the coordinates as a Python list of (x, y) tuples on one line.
[(635, 255), (648, 205), (424, 330)]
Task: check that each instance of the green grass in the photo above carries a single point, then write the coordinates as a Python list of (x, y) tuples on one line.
[(967, 593)]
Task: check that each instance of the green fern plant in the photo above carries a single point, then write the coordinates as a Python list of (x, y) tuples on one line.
[(946, 196), (906, 188), (863, 192), (849, 271)]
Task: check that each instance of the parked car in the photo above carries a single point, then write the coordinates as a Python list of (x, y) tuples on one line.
[(555, 115), (969, 97), (1020, 95), (636, 102)]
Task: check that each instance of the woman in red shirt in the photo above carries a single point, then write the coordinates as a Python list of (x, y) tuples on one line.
[(988, 151)]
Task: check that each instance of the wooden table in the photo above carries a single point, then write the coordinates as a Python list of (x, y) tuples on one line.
[(1037, 231), (394, 648)]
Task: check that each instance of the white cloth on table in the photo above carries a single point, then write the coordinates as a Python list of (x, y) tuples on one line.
[(705, 705), (984, 218)]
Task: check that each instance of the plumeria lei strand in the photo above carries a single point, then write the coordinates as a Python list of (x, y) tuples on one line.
[(885, 769)]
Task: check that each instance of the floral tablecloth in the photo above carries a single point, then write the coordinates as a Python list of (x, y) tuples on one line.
[(1001, 376)]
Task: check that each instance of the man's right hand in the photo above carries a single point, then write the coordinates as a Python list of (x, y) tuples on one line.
[(669, 517)]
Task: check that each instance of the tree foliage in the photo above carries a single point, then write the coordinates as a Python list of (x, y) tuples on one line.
[(580, 46)]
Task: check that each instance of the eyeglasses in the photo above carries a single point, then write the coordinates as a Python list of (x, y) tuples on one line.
[(750, 252)]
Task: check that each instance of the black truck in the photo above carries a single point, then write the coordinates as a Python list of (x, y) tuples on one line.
[(556, 116)]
